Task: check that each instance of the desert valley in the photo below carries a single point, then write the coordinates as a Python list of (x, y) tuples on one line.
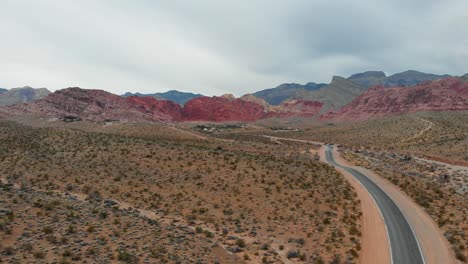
[(93, 177), (234, 132)]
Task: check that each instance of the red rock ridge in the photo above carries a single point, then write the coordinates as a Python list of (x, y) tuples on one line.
[(98, 105), (95, 105), (151, 105), (449, 94), (219, 109)]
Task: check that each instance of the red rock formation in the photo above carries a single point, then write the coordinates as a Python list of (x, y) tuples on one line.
[(95, 105), (447, 94), (98, 105), (151, 105), (219, 109)]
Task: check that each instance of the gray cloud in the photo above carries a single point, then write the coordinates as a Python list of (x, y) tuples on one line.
[(214, 47)]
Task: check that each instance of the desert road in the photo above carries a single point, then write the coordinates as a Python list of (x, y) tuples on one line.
[(404, 245)]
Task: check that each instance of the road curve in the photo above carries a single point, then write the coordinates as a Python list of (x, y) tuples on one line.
[(404, 245)]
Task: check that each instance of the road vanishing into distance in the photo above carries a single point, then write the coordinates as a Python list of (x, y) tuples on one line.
[(404, 245)]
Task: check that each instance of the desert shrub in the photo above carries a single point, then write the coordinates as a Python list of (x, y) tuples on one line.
[(240, 243)]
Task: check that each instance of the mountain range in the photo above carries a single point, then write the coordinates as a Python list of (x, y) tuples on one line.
[(448, 94), (98, 105), (343, 99), (406, 78)]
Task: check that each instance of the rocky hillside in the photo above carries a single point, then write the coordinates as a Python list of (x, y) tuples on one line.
[(219, 109), (338, 93), (21, 95), (179, 97), (449, 94), (97, 105)]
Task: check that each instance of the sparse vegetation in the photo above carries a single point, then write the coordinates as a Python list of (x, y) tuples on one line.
[(203, 192)]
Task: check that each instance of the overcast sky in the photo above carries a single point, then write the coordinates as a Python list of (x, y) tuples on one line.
[(216, 46)]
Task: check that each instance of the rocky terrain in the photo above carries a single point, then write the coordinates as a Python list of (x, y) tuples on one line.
[(450, 94), (220, 109), (98, 105), (21, 95)]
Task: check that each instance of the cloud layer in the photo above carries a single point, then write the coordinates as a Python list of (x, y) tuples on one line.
[(214, 47)]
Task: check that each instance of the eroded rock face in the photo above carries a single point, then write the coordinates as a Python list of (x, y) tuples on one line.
[(150, 105), (219, 109), (447, 94), (95, 105)]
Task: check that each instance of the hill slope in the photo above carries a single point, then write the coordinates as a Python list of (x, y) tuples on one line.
[(21, 95), (448, 94), (335, 95), (96, 105)]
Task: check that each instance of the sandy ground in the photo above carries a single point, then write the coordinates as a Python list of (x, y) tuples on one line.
[(179, 222), (375, 243)]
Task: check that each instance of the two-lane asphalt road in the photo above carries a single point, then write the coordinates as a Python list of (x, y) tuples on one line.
[(404, 245)]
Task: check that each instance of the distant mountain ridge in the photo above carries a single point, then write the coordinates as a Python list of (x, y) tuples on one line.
[(279, 94), (341, 98), (172, 95), (407, 78), (21, 95), (343, 92), (338, 93)]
